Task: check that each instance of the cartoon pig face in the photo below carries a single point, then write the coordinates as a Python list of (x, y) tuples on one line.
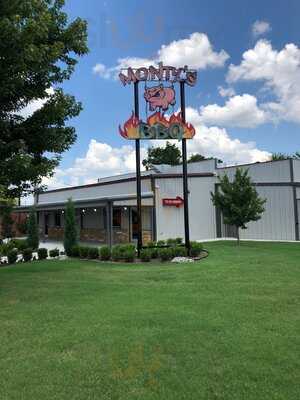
[(160, 97)]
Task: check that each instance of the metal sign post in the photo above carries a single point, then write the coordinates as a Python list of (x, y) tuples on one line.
[(159, 97), (138, 173), (185, 175)]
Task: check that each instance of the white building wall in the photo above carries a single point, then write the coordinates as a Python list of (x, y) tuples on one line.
[(94, 192), (170, 220), (296, 166), (278, 220), (277, 171)]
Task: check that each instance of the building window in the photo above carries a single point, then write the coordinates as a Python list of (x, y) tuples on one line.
[(117, 217), (57, 219)]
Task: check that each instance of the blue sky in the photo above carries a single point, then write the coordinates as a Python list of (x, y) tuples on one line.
[(257, 113)]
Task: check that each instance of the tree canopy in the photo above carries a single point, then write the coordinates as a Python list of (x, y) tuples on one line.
[(238, 200), (39, 49)]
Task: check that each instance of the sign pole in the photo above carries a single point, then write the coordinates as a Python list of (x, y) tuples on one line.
[(184, 173), (138, 173)]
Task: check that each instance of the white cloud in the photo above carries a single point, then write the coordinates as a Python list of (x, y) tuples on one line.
[(238, 111), (35, 105), (196, 51), (280, 73), (260, 28), (226, 92), (216, 142)]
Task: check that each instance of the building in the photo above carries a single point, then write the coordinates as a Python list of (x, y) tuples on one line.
[(106, 210)]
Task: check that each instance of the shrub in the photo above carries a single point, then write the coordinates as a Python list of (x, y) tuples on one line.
[(84, 251), (165, 254), (27, 255), (151, 244), (75, 251), (179, 251), (154, 252), (105, 253), (42, 253), (54, 253), (171, 242), (5, 248), (123, 252), (196, 249), (33, 231), (146, 255), (12, 256), (70, 230), (20, 244), (161, 243), (179, 240), (93, 253)]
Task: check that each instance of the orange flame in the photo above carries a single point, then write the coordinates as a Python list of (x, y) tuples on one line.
[(130, 129)]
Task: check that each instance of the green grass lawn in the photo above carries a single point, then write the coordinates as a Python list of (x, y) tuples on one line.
[(225, 328)]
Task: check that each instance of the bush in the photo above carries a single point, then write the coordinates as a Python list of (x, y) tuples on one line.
[(12, 256), (93, 253), (171, 242), (33, 230), (161, 243), (123, 252), (54, 253), (179, 251), (75, 251), (146, 255), (5, 248), (105, 253), (179, 240), (196, 249), (84, 251), (70, 230), (154, 252), (27, 255), (42, 253), (151, 244), (165, 254), (20, 244)]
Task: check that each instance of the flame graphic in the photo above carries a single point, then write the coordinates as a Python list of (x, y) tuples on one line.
[(131, 127)]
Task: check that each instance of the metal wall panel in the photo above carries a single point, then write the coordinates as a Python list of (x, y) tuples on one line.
[(94, 192), (170, 220), (278, 220), (197, 167), (296, 166), (277, 171)]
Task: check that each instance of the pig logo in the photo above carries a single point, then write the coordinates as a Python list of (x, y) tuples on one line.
[(160, 97)]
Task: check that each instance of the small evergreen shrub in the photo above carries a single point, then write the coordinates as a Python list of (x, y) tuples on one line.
[(93, 253), (42, 253), (71, 229), (33, 230), (84, 251), (196, 249), (12, 256), (179, 251), (124, 252), (75, 251), (161, 243), (54, 253), (154, 252), (165, 254), (105, 253), (27, 255), (5, 248), (179, 240), (20, 244), (151, 244), (171, 242), (146, 255)]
